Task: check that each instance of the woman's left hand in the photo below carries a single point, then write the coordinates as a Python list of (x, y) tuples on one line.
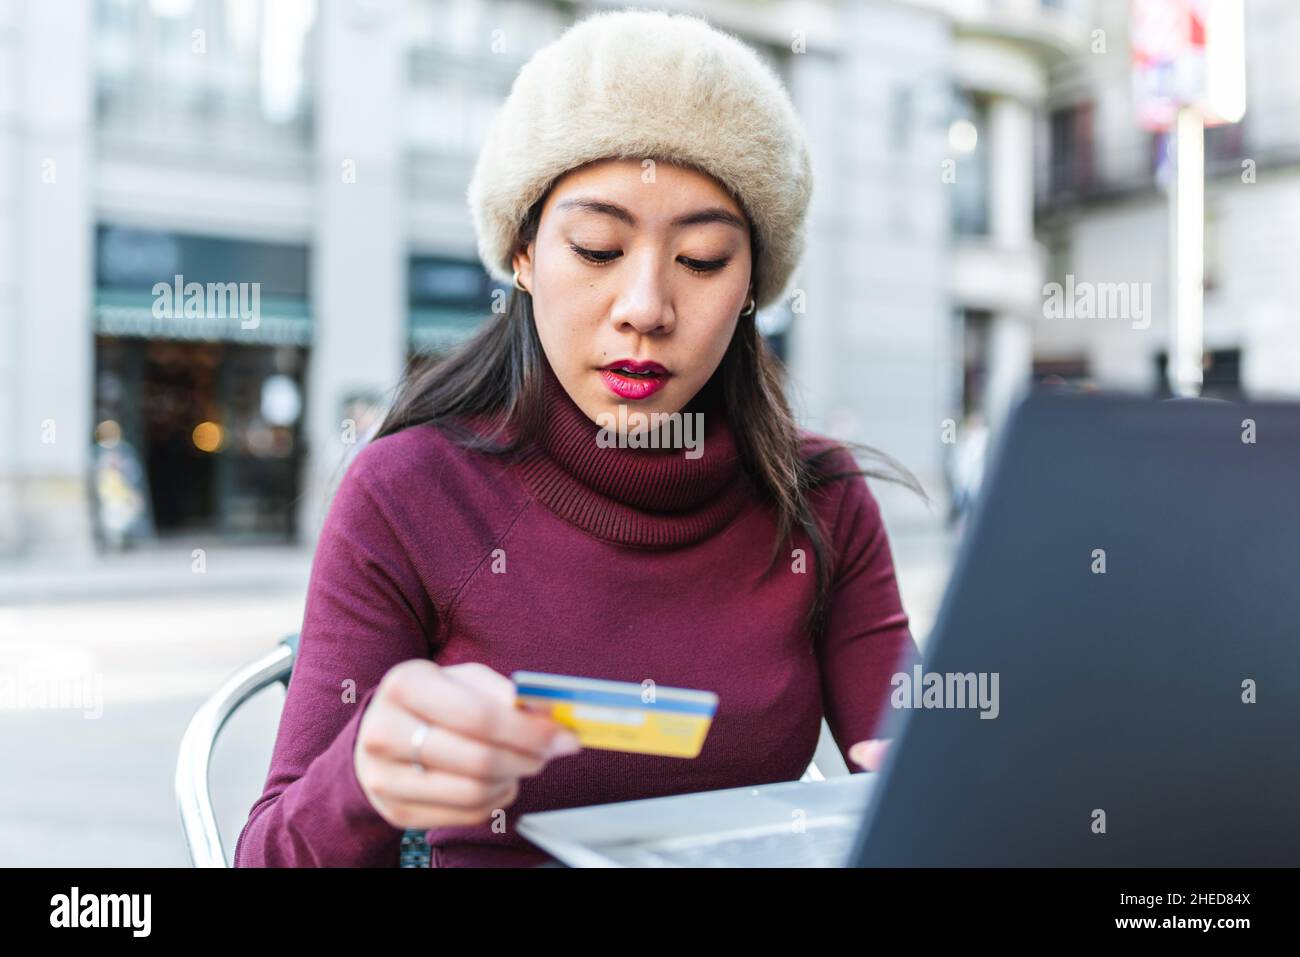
[(870, 754)]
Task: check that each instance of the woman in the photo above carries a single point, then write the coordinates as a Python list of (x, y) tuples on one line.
[(644, 187)]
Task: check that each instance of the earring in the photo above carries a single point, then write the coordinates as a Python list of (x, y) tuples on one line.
[(517, 286), (749, 310)]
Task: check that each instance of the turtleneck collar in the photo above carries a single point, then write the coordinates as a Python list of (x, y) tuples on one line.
[(650, 498)]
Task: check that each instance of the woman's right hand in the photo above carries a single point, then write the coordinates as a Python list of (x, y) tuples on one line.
[(477, 748)]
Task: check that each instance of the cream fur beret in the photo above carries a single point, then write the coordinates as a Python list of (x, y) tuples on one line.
[(647, 84)]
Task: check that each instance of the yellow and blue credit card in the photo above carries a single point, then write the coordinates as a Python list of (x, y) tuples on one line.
[(621, 715)]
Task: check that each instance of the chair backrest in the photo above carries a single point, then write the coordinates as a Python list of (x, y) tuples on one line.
[(193, 765)]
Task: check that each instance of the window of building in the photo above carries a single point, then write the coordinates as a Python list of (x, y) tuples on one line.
[(1072, 169), (233, 75), (448, 300), (201, 348), (968, 147)]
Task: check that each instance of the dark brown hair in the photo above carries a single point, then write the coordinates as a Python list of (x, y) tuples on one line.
[(499, 371)]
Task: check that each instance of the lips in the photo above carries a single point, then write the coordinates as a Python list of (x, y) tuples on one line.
[(632, 365), (634, 379)]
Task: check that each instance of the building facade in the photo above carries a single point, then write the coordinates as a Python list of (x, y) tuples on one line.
[(1104, 212), (166, 161)]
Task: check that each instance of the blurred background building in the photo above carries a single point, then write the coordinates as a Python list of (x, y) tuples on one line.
[(302, 166), (1104, 215), (966, 153)]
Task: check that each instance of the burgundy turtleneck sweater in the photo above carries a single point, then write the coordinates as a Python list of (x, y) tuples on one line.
[(623, 564)]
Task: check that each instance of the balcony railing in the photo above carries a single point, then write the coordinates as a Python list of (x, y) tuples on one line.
[(137, 115), (1086, 172), (1054, 29)]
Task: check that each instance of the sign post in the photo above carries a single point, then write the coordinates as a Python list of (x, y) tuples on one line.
[(1188, 60)]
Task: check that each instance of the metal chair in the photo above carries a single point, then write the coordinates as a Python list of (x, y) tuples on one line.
[(193, 792)]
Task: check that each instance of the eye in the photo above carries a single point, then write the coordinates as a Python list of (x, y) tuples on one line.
[(597, 257), (704, 266), (600, 257)]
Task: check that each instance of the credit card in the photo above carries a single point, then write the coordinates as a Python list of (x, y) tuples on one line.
[(621, 715)]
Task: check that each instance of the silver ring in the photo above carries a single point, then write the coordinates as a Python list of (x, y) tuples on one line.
[(417, 741)]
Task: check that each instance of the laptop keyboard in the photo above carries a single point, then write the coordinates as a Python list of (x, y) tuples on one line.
[(823, 845)]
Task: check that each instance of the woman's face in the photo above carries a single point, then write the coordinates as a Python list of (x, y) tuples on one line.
[(628, 271)]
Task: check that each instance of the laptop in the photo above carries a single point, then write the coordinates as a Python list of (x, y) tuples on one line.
[(1131, 576)]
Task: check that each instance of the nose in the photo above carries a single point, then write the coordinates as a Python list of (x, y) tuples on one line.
[(644, 305)]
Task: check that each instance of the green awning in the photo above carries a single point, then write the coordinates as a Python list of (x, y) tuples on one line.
[(277, 321)]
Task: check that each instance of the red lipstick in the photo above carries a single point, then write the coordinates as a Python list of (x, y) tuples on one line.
[(633, 379)]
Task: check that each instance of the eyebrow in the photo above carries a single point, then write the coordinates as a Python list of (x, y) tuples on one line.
[(711, 214)]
